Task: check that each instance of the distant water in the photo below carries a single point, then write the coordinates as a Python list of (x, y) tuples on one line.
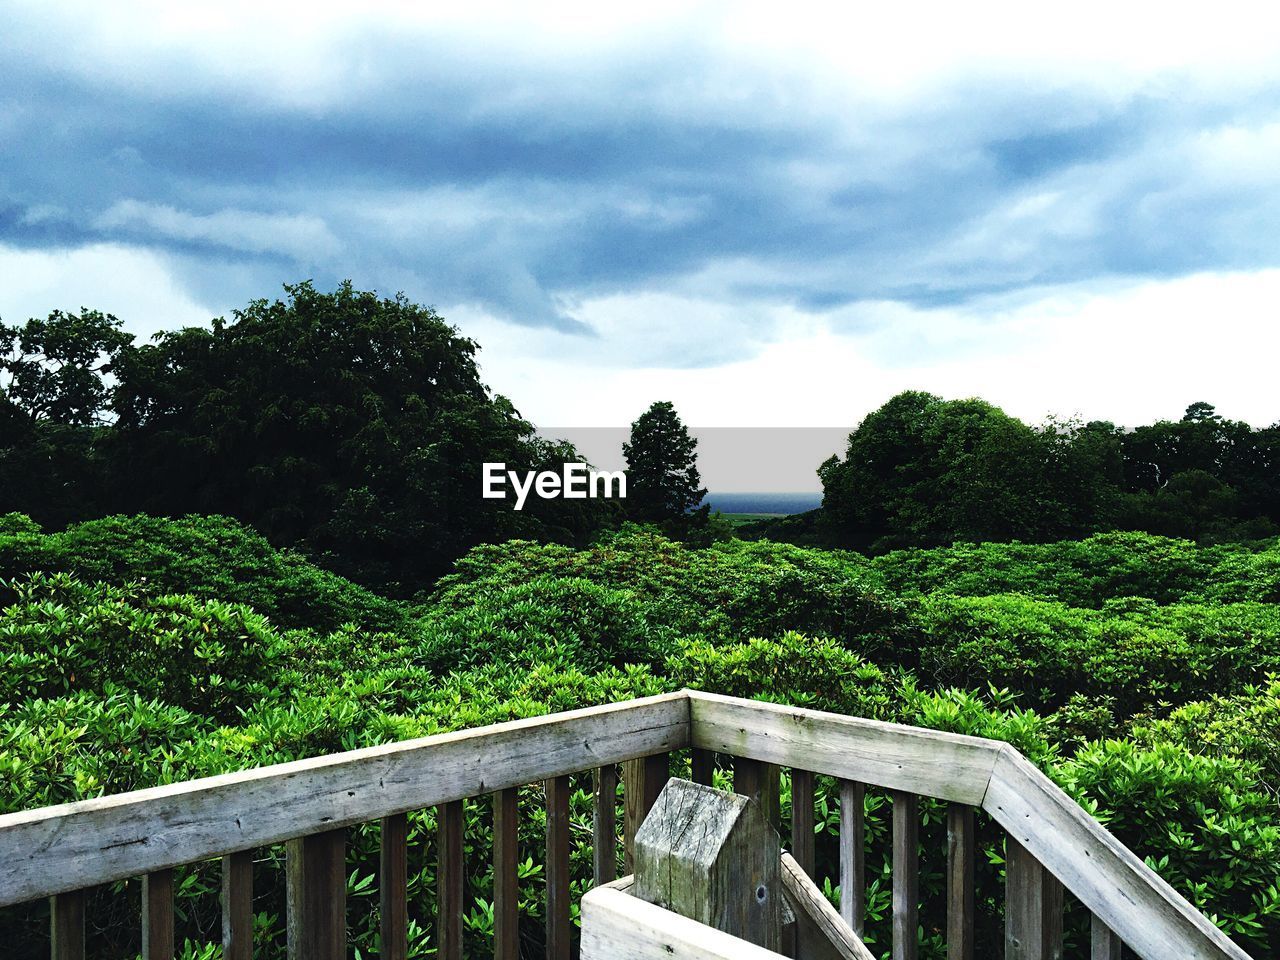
[(763, 502)]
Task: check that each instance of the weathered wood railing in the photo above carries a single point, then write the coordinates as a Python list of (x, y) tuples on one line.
[(60, 852)]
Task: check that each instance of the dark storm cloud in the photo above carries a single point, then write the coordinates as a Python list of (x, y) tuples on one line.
[(464, 184)]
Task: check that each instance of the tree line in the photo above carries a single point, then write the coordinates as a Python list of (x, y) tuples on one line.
[(351, 426), (923, 472), (354, 427)]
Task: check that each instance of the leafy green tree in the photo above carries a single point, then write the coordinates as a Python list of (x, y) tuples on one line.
[(54, 370), (663, 483), (352, 426), (923, 471), (55, 391)]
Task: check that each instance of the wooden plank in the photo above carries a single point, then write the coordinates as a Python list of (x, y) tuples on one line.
[(906, 875), (56, 849), (66, 926), (604, 825), (1033, 907), (559, 927), (157, 915), (1127, 895), (822, 934), (761, 782), (450, 880), (506, 887), (393, 887), (643, 779), (961, 852), (1103, 944), (943, 765), (702, 765), (713, 857), (316, 894), (237, 906), (853, 855), (802, 817), (616, 926)]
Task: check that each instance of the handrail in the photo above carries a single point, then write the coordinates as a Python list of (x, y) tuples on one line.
[(1133, 900), (57, 849)]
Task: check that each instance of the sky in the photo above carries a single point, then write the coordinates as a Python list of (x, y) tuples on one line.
[(771, 215)]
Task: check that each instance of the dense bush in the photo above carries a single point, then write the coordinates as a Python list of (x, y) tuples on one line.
[(62, 636), (210, 557), (1074, 654)]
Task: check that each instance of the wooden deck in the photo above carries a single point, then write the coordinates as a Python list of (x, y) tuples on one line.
[(60, 852)]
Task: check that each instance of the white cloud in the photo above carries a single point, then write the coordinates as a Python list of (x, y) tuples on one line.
[(137, 286), (1130, 353), (303, 237)]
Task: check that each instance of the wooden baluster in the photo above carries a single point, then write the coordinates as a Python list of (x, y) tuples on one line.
[(450, 880), (760, 781), (157, 915), (1033, 907), (1104, 945), (802, 816), (960, 865), (906, 875), (558, 925), (316, 881), (853, 856), (66, 925), (643, 779), (604, 825), (393, 887), (237, 906), (506, 888), (702, 764)]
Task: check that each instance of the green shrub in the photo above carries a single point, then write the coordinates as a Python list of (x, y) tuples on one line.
[(63, 637), (210, 557), (1083, 573)]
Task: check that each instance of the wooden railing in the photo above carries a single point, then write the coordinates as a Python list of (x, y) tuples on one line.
[(61, 852)]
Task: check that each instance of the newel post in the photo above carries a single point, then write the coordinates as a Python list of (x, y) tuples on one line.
[(713, 857)]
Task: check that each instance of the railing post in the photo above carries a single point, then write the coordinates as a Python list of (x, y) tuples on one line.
[(853, 855), (237, 906), (558, 919), (759, 781), (506, 886), (906, 875), (604, 825), (66, 925), (393, 887), (316, 882), (450, 880), (802, 817), (157, 915), (1104, 945), (702, 764), (643, 779), (960, 864), (1033, 907)]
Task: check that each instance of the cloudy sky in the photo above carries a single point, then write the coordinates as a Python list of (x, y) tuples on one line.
[(768, 214)]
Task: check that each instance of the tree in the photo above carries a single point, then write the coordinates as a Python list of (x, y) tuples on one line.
[(923, 471), (352, 426), (55, 369), (55, 393), (663, 484)]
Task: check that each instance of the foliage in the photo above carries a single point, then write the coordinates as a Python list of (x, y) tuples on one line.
[(351, 426), (206, 556), (663, 484), (62, 637), (109, 686)]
